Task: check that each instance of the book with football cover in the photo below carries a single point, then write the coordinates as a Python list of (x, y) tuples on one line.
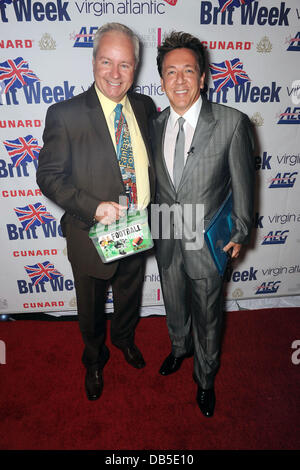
[(218, 233)]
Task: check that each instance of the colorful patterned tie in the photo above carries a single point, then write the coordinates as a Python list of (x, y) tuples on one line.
[(125, 157), (179, 154)]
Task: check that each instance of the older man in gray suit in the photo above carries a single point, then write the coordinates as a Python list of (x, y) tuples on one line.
[(215, 145)]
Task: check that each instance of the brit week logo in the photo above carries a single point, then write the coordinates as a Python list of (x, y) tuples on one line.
[(16, 75), (275, 237), (85, 37), (32, 217), (268, 287), (228, 74), (294, 43), (42, 272), (43, 277), (232, 75), (22, 151)]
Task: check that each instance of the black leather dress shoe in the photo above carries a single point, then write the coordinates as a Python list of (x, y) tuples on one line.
[(206, 400), (171, 364), (134, 356), (93, 383)]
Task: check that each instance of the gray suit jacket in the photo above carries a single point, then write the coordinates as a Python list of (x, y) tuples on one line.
[(221, 161)]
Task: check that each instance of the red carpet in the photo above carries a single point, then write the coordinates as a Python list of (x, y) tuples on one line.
[(43, 404)]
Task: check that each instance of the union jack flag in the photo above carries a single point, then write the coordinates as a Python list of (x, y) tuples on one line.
[(23, 149), (228, 74), (42, 272), (33, 215), (15, 73), (224, 4)]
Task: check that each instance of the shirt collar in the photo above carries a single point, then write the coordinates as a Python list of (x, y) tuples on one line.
[(108, 105), (191, 116)]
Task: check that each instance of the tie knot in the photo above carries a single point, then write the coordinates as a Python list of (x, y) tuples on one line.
[(181, 121), (118, 108)]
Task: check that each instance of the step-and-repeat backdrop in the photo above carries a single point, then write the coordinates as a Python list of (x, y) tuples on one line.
[(253, 50)]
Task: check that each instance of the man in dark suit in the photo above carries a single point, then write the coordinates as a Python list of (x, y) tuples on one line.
[(79, 170), (199, 160)]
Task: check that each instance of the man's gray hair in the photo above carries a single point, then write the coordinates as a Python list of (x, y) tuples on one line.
[(121, 28)]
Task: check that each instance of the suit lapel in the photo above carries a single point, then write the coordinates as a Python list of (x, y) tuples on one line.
[(102, 134), (98, 119), (203, 133), (142, 121)]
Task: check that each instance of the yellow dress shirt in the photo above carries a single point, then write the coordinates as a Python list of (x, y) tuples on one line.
[(140, 156)]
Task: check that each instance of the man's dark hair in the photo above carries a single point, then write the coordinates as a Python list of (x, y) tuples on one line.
[(177, 40)]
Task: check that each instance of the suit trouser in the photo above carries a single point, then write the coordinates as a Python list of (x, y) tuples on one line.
[(194, 310), (126, 285)]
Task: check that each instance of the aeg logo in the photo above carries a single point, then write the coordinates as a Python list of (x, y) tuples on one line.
[(284, 180), (290, 116), (249, 14), (278, 237)]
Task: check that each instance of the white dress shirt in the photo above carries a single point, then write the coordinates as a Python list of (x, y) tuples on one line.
[(191, 119)]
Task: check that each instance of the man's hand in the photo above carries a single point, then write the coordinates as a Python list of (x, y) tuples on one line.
[(236, 248), (108, 212)]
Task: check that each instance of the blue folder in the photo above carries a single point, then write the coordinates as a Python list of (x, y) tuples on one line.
[(218, 232)]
